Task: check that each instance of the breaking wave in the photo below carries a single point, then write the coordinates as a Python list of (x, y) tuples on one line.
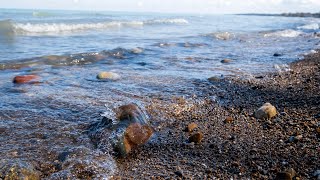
[(284, 33), (51, 28), (313, 26)]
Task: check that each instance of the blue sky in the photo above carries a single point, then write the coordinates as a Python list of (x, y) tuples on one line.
[(178, 6)]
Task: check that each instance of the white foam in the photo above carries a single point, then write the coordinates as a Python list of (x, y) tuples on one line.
[(167, 21), (284, 33), (49, 28), (313, 26)]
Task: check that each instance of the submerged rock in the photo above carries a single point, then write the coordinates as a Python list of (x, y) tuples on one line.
[(130, 130), (108, 75), (267, 111), (14, 169), (226, 61), (24, 79)]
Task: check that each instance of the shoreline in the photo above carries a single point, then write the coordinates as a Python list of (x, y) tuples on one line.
[(244, 147)]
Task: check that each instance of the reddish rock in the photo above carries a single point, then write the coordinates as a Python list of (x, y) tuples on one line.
[(191, 127), (228, 120), (196, 138), (226, 61), (25, 79), (137, 130)]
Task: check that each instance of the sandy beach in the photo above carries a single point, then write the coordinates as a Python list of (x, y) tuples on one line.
[(236, 144)]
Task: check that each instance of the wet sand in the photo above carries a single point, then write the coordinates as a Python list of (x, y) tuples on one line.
[(244, 147)]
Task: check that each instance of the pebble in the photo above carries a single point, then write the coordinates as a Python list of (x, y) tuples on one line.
[(196, 138), (286, 175), (108, 75), (24, 79), (318, 130), (226, 61), (277, 54), (267, 111), (228, 120), (191, 127)]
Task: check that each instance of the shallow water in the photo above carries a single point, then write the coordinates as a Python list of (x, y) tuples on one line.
[(155, 54)]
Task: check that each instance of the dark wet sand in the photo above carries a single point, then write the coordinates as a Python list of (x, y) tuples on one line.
[(244, 148)]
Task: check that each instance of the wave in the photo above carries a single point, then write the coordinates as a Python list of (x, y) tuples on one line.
[(51, 28), (221, 35), (6, 28), (105, 56), (284, 33), (313, 26)]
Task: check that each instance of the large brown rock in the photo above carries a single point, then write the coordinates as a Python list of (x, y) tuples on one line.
[(266, 111), (25, 79)]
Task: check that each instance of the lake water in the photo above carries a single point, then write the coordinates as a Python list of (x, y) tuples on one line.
[(155, 54)]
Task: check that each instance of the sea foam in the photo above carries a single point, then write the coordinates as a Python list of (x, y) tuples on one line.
[(51, 28)]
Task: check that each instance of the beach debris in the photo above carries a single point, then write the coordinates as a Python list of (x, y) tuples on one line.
[(15, 169), (286, 175), (191, 127), (228, 119), (108, 75), (226, 61), (25, 79), (196, 138), (266, 111)]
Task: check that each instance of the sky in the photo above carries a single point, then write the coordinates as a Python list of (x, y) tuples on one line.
[(171, 6)]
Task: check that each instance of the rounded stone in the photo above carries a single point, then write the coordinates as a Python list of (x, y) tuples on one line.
[(191, 127), (267, 111), (108, 75), (24, 79), (228, 120), (196, 138), (226, 61)]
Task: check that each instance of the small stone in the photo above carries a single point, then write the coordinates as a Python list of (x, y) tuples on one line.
[(228, 120), (318, 130), (179, 173), (226, 61), (277, 54), (284, 176), (267, 111), (196, 138), (191, 127), (24, 79), (214, 79), (108, 75)]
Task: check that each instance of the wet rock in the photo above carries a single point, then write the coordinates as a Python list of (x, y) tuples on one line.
[(267, 111), (130, 130), (108, 76), (196, 138), (191, 127), (14, 169), (286, 175), (228, 120), (25, 79), (277, 54), (226, 61)]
